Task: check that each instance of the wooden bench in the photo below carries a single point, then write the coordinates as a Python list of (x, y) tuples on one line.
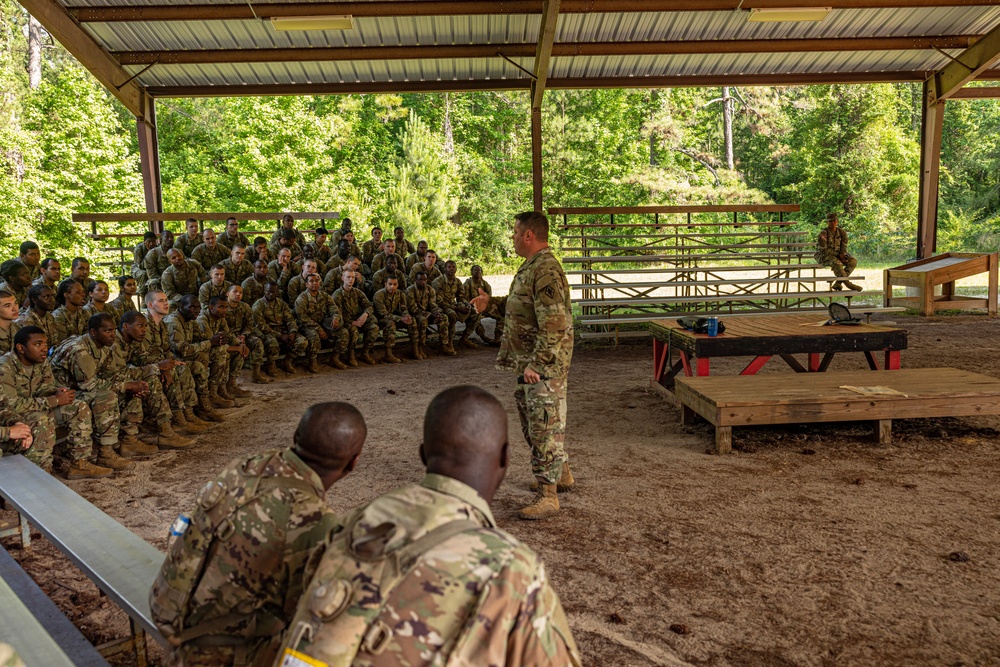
[(119, 562), (805, 398), (706, 283), (697, 269), (36, 628), (675, 259), (722, 298)]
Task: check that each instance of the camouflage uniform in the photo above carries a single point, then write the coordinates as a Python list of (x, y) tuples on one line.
[(190, 346), (322, 253), (29, 391), (30, 318), (378, 261), (539, 334), (404, 247), (242, 322), (296, 286), (79, 364), (352, 304), (138, 270), (471, 292), (378, 280), (432, 274), (90, 310), (237, 273), (68, 324), (390, 310), (122, 304), (177, 283), (275, 319), (231, 362), (295, 249), (208, 257), (210, 289), (449, 294), (422, 304), (335, 280), (479, 597), (253, 289), (127, 358), (186, 244), (368, 251), (156, 263), (412, 259), (829, 249), (315, 312), (19, 295), (155, 348), (7, 337), (300, 238), (282, 276)]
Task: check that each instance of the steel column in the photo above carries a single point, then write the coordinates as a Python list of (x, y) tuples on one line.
[(149, 160), (930, 164)]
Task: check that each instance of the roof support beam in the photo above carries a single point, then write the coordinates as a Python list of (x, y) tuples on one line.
[(931, 132), (991, 93), (69, 33), (209, 12), (967, 66), (546, 38), (556, 50), (149, 159)]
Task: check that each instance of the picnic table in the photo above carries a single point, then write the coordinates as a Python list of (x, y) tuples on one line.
[(762, 338)]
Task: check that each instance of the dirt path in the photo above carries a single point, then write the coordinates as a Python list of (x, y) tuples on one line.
[(808, 546)]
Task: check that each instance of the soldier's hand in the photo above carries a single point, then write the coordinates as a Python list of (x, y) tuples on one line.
[(166, 378), (481, 302), (531, 377), (323, 335), (64, 396), (407, 320), (21, 431), (217, 340), (138, 387), (166, 365), (285, 338)]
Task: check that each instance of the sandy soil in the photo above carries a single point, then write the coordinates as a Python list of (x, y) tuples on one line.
[(808, 546)]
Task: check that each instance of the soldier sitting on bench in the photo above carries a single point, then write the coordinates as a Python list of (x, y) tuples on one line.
[(831, 250)]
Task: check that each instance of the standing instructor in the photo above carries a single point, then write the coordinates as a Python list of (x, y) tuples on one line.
[(537, 344)]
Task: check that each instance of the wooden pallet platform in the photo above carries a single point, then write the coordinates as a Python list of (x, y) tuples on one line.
[(941, 271), (727, 401)]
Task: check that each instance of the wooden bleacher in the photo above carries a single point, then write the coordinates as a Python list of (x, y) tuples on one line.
[(710, 260)]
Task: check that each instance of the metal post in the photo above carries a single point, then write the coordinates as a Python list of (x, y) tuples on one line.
[(149, 160), (930, 163), (536, 157)]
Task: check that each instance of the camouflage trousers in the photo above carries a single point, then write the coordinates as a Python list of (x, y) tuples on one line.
[(424, 320), (154, 406), (209, 369), (273, 346), (9, 418), (235, 361), (389, 331), (142, 282), (368, 332), (74, 416), (258, 651), (181, 393), (542, 408), (841, 269), (256, 355), (471, 319), (108, 413), (336, 339)]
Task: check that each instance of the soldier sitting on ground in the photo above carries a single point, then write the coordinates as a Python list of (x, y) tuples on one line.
[(217, 285), (79, 271), (51, 272), (372, 246), (831, 251), (243, 325), (253, 286), (210, 252), (30, 255), (453, 301), (232, 236), (156, 261), (475, 286), (212, 322), (236, 266), (188, 345), (190, 239), (15, 280), (97, 304), (181, 278)]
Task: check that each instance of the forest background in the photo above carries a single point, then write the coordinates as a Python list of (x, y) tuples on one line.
[(453, 168)]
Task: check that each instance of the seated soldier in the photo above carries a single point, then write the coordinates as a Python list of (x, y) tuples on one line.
[(320, 320), (391, 269), (831, 250), (309, 253), (28, 387), (232, 236), (51, 270), (156, 261), (390, 308), (210, 252), (124, 302), (468, 593), (69, 316), (188, 345), (190, 239), (403, 247), (359, 318), (428, 266), (243, 325), (97, 304), (128, 348), (236, 266), (217, 285), (138, 270), (297, 285), (421, 302), (452, 300), (277, 322), (30, 255), (80, 272), (259, 250), (416, 257), (345, 226), (212, 322), (475, 286), (335, 276), (8, 321), (15, 280), (87, 364), (372, 246), (15, 438), (282, 270), (321, 251), (275, 503), (41, 303), (388, 250), (253, 287), (286, 239), (182, 277), (287, 222)]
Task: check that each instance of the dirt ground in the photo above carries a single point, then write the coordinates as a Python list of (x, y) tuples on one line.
[(808, 546)]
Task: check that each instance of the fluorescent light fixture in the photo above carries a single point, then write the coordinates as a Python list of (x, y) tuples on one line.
[(772, 15), (313, 22)]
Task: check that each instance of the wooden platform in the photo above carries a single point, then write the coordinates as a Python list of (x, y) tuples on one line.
[(820, 397), (926, 275)]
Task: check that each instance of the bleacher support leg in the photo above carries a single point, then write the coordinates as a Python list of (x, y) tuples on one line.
[(892, 360), (814, 362)]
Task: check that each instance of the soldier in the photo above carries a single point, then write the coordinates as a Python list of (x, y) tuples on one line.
[(8, 317), (188, 344), (277, 322), (128, 348), (537, 346), (217, 285), (15, 438), (139, 253), (831, 251), (28, 387), (50, 272), (156, 261), (297, 285), (390, 308), (358, 316), (288, 222), (321, 251), (259, 250), (372, 247), (423, 573), (421, 302), (253, 287), (87, 364), (235, 609), (354, 248), (189, 413), (210, 252), (79, 270), (453, 301), (41, 303), (68, 315), (286, 239), (428, 267), (320, 320), (403, 247), (335, 276), (282, 270), (123, 303), (416, 257), (345, 226), (232, 236), (189, 240), (339, 258), (30, 254), (15, 280), (237, 268), (212, 321), (98, 293), (181, 278), (391, 269), (388, 250), (310, 253), (476, 286), (243, 325)]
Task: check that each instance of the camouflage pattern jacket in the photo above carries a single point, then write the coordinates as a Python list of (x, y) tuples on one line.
[(296, 286), (224, 238), (282, 275), (378, 261), (421, 301), (313, 310), (300, 238), (241, 320), (368, 251), (210, 326), (139, 253), (352, 303), (26, 389), (132, 354), (69, 324), (180, 282), (449, 292), (274, 318), (20, 295), (237, 273), (390, 306), (378, 280), (186, 339), (433, 273), (156, 263), (210, 289), (323, 253), (412, 259), (156, 345), (79, 364), (7, 338), (831, 246), (208, 257), (186, 244), (479, 597), (29, 318), (122, 304), (538, 326), (472, 288), (253, 289)]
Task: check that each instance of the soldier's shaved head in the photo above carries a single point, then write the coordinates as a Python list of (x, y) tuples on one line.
[(465, 438), (329, 438)]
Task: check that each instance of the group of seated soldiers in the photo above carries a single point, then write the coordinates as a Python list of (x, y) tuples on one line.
[(104, 370)]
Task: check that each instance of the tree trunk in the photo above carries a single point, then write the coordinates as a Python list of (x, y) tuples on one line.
[(34, 52), (727, 122)]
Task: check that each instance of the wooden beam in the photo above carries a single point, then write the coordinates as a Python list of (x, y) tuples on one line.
[(149, 160), (526, 50), (209, 12), (348, 88), (68, 32), (536, 158), (931, 128), (546, 38), (968, 65), (990, 93)]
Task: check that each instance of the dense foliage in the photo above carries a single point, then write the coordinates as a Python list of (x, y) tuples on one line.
[(453, 167)]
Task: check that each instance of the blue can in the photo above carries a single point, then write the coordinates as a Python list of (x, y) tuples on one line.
[(713, 326)]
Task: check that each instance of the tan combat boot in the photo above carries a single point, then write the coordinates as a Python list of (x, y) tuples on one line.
[(391, 358), (466, 343), (169, 439), (448, 345), (129, 445), (196, 421), (287, 365), (109, 458), (271, 369), (546, 504), (84, 469), (336, 362), (837, 286), (853, 286), (234, 391), (258, 377), (416, 350), (366, 356), (218, 401), (352, 360), (206, 411), (311, 365), (566, 480), (182, 425)]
